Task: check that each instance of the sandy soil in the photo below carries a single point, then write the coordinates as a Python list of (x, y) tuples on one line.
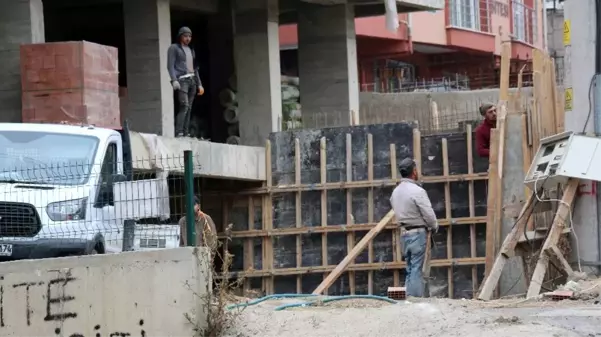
[(425, 317)]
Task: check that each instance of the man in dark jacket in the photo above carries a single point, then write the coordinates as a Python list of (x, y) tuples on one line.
[(183, 71), (489, 112)]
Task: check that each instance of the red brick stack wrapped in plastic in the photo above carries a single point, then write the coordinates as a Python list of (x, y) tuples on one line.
[(70, 82)]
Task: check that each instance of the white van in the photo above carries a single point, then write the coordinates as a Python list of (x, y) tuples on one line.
[(57, 192)]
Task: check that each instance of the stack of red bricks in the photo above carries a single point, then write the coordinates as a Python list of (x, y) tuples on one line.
[(70, 82)]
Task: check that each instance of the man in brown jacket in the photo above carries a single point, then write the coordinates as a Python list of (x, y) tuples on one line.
[(206, 232)]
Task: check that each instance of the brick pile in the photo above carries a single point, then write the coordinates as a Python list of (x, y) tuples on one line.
[(70, 82)]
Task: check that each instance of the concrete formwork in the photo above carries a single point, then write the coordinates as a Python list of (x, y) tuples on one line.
[(328, 187)]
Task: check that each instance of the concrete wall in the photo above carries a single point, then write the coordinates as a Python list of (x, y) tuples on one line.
[(452, 107), (579, 68), (555, 32), (128, 294)]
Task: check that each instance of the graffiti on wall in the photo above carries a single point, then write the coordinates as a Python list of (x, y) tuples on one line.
[(51, 303)]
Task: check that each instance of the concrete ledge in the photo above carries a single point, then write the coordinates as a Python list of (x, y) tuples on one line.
[(214, 160), (129, 294), (426, 5)]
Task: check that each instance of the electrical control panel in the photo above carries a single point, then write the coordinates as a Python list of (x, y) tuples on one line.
[(563, 156)]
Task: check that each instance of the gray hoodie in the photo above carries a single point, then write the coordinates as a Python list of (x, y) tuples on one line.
[(176, 60)]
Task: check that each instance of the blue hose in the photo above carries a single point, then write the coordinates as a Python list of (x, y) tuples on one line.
[(266, 298), (334, 299)]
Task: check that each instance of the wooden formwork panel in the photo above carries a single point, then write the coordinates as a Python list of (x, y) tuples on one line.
[(328, 187)]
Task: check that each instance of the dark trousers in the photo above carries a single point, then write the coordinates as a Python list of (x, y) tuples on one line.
[(185, 96)]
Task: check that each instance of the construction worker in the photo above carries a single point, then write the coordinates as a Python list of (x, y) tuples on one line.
[(206, 232), (185, 80), (414, 214), (489, 112)]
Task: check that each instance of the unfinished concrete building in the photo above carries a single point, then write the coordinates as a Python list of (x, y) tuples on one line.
[(236, 43)]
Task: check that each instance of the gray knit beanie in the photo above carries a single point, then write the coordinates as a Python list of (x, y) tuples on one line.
[(184, 30)]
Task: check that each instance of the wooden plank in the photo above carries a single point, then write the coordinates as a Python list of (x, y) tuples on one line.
[(426, 267), (526, 160), (559, 224), (471, 205), (324, 201), (504, 71), (417, 154), (344, 185), (447, 203), (248, 244), (491, 202), (267, 223), (350, 236), (341, 228), (298, 209), (370, 209), (507, 250), (359, 247), (396, 233), (442, 263)]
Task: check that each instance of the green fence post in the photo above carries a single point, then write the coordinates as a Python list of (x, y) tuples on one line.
[(189, 181)]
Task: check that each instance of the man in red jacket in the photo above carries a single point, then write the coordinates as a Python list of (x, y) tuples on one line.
[(489, 112)]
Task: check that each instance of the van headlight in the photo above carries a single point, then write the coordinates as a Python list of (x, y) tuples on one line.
[(67, 210)]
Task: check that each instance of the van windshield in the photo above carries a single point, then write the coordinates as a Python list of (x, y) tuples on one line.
[(46, 158)]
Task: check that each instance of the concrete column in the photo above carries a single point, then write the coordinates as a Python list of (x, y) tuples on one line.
[(327, 64), (149, 92), (21, 22), (579, 67), (257, 59)]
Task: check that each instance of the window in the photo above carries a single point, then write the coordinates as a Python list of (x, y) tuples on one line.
[(107, 172), (465, 14), (519, 20), (109, 164), (46, 157)]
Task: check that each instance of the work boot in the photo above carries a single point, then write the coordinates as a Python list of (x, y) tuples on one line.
[(179, 135)]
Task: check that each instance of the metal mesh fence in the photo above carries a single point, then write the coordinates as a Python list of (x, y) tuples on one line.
[(60, 206)]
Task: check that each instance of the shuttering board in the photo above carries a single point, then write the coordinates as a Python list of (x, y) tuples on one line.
[(75, 82), (318, 210)]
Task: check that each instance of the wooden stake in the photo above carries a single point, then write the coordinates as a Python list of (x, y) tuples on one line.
[(324, 201), (350, 236), (472, 206), (298, 208), (370, 209), (491, 202)]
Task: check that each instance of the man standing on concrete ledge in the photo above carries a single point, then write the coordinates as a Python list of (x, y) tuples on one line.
[(489, 112), (414, 214), (183, 71)]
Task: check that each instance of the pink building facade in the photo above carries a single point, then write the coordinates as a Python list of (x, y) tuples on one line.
[(459, 46)]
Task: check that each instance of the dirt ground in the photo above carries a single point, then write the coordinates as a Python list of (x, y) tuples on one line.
[(427, 317)]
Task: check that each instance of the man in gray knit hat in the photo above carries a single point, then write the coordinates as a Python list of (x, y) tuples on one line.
[(414, 214), (183, 71)]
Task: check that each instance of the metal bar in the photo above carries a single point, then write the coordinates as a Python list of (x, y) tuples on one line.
[(189, 181)]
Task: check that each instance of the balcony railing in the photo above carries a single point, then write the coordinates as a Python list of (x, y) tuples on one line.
[(525, 22), (469, 14)]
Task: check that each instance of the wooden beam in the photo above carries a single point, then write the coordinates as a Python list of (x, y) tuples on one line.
[(507, 250), (361, 245), (491, 201), (559, 224)]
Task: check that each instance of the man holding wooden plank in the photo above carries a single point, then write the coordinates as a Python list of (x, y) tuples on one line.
[(414, 214)]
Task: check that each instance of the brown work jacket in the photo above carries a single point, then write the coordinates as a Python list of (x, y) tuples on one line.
[(206, 232)]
